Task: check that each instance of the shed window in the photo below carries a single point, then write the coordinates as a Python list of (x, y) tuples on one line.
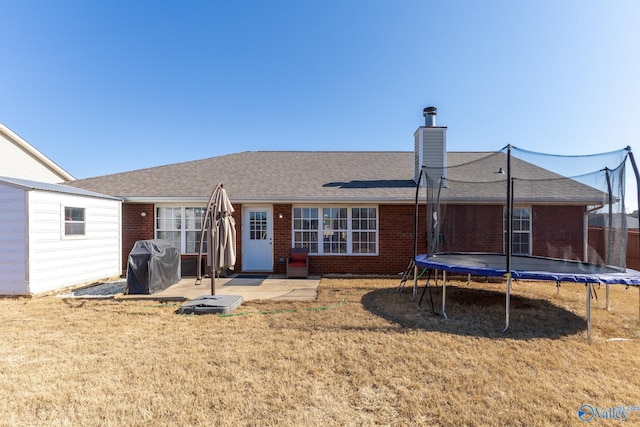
[(74, 221)]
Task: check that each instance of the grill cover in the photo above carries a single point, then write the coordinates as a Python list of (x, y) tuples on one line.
[(153, 266)]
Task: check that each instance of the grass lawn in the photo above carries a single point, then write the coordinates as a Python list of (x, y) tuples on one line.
[(361, 354)]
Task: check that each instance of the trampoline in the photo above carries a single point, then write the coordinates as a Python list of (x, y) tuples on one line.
[(464, 200), (526, 268)]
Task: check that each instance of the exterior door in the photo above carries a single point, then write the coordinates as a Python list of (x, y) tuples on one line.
[(257, 238)]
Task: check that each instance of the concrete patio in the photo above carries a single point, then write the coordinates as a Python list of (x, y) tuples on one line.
[(274, 287)]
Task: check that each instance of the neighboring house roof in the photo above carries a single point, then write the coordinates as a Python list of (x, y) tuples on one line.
[(28, 185), (20, 159), (326, 176), (602, 220)]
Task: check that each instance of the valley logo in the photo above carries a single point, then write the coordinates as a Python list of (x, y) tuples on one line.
[(587, 412)]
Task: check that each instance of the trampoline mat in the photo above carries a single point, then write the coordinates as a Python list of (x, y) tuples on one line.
[(528, 267)]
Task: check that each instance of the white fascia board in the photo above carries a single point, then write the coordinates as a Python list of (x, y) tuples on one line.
[(320, 200), (253, 200), (144, 199)]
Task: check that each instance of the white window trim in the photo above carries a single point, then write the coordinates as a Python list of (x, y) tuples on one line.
[(349, 229), (530, 232), (183, 223), (63, 223)]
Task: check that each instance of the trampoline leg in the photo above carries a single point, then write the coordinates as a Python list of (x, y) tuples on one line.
[(415, 282), (444, 293), (507, 303), (589, 310), (425, 288), (607, 294)]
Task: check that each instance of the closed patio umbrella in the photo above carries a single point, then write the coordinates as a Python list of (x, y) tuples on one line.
[(221, 235)]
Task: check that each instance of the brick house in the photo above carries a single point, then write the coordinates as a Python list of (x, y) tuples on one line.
[(354, 210)]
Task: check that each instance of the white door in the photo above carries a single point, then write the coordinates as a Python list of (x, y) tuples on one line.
[(257, 238)]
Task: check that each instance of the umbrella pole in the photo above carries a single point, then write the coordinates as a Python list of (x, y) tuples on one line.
[(213, 262)]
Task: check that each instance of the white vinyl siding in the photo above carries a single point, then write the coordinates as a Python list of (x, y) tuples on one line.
[(17, 163), (56, 261), (36, 255), (430, 145)]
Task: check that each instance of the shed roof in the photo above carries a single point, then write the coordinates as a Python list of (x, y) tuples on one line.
[(335, 176)]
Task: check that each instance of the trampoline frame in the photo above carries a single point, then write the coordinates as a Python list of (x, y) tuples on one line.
[(608, 275)]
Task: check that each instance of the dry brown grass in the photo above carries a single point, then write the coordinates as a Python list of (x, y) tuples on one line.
[(359, 355)]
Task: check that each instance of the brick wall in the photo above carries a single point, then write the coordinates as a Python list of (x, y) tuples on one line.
[(471, 228), (135, 227), (281, 236), (237, 217), (395, 227), (557, 231)]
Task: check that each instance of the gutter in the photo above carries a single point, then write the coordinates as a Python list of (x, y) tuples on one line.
[(317, 200)]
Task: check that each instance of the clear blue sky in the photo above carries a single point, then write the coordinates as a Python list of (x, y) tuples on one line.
[(115, 85)]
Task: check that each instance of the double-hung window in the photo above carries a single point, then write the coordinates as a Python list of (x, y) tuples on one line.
[(521, 229), (306, 228), (182, 226), (193, 230), (336, 230), (364, 230)]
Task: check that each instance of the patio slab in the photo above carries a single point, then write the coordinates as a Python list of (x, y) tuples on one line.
[(274, 287)]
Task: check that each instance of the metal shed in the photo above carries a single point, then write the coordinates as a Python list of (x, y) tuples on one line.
[(54, 236)]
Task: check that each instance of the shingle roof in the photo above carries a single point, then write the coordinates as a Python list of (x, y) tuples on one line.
[(307, 176)]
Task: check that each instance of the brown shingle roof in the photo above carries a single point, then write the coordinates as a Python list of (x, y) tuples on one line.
[(307, 176)]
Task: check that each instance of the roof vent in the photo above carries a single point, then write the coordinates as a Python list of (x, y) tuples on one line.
[(429, 114)]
